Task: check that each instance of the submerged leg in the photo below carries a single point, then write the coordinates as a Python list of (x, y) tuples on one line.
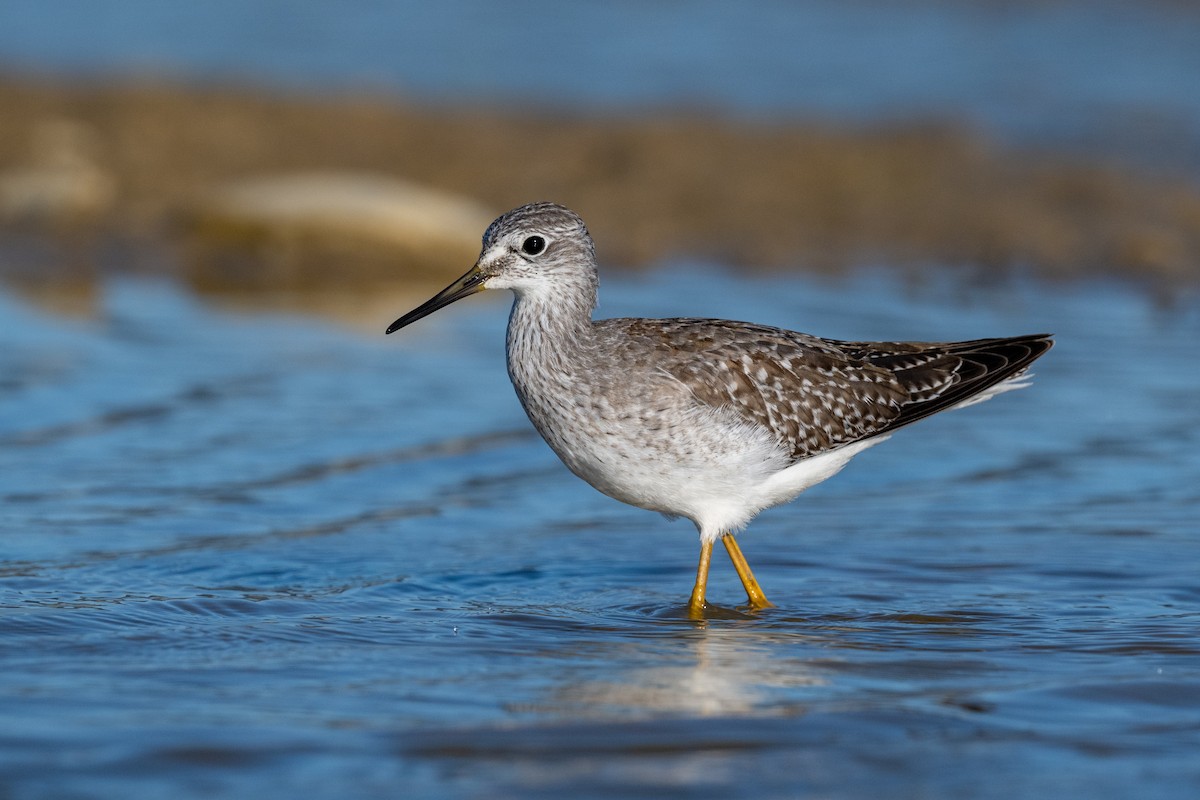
[(753, 590), (696, 604)]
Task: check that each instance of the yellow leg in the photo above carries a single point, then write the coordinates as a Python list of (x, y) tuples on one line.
[(753, 590), (696, 604)]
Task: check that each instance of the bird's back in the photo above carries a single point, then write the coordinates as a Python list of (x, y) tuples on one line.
[(818, 394)]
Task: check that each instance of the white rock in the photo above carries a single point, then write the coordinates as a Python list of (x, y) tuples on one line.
[(380, 209)]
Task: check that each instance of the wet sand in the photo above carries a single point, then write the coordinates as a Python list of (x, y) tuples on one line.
[(787, 195)]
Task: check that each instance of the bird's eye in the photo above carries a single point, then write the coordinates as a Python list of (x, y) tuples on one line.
[(533, 245)]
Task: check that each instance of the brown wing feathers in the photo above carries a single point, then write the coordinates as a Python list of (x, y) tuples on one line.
[(940, 376), (816, 394)]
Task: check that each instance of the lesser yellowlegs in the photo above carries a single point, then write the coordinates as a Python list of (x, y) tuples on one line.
[(706, 419)]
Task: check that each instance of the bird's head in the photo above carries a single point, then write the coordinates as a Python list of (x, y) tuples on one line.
[(537, 249)]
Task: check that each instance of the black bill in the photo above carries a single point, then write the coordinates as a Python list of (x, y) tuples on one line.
[(468, 284)]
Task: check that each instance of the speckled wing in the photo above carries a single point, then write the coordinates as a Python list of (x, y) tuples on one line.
[(808, 393), (942, 375), (816, 394)]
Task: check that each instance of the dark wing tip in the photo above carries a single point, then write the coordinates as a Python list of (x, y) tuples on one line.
[(970, 368)]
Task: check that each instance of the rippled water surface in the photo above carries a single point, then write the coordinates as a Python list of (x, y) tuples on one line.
[(255, 555)]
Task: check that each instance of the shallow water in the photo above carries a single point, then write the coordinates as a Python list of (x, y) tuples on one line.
[(263, 554)]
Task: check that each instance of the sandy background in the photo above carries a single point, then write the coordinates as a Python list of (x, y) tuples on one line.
[(134, 177)]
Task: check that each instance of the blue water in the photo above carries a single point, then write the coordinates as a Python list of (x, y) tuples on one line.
[(249, 554), (1114, 76)]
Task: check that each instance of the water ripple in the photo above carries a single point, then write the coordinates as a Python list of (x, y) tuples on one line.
[(248, 547)]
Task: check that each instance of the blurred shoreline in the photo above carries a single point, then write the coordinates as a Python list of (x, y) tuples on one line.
[(249, 192)]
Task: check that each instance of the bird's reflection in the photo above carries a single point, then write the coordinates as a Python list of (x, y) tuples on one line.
[(719, 671)]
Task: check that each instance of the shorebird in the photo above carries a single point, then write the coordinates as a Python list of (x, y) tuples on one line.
[(707, 419)]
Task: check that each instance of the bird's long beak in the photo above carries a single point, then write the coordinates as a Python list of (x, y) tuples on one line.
[(467, 285)]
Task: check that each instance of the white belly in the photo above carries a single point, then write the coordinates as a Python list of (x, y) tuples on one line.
[(707, 465)]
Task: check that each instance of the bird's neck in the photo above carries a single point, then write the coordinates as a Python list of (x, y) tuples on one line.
[(549, 331)]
